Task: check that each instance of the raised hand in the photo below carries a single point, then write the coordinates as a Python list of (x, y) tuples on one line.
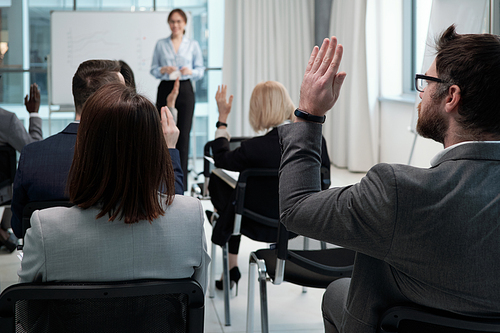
[(170, 131), (33, 102), (172, 97), (223, 105), (321, 85)]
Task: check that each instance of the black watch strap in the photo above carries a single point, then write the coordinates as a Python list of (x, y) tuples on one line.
[(309, 117), (219, 124)]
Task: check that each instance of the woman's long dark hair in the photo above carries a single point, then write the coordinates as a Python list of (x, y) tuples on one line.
[(121, 158)]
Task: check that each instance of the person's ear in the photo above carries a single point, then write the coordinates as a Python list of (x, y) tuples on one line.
[(453, 99)]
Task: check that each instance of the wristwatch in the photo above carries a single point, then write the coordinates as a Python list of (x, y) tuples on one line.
[(219, 124), (309, 117)]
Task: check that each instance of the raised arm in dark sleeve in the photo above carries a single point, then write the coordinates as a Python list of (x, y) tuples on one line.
[(179, 175)]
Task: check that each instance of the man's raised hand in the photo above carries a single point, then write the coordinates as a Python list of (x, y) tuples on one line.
[(321, 85)]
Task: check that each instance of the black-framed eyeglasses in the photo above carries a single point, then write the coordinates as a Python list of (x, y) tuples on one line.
[(421, 81)]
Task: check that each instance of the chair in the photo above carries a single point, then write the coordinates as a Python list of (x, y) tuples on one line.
[(129, 306), (200, 190), (310, 268), (262, 210), (413, 318), (39, 205), (8, 167)]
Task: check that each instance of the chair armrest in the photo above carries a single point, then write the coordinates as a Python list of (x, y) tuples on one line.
[(392, 317), (318, 267)]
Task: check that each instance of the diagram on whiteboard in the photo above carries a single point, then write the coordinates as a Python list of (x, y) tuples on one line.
[(98, 43)]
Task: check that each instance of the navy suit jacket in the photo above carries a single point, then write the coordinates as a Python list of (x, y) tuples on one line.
[(43, 170)]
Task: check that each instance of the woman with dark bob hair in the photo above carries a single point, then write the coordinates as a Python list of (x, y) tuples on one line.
[(121, 227)]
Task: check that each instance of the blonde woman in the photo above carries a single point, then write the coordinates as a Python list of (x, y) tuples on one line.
[(270, 107)]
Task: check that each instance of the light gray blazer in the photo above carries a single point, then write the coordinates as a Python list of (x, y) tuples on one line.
[(12, 130), (69, 244), (430, 236)]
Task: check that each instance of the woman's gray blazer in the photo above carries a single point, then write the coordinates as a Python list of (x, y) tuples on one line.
[(69, 244)]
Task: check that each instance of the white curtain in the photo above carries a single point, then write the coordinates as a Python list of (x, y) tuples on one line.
[(351, 128), (264, 40)]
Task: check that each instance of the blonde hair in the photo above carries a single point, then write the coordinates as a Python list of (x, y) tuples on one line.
[(270, 106)]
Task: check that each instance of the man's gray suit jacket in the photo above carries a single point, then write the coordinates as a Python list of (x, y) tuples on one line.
[(424, 235), (12, 130)]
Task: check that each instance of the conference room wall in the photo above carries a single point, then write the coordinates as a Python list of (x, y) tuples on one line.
[(395, 117)]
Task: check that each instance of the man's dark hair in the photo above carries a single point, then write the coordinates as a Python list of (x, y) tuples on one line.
[(121, 157), (127, 73), (472, 62), (90, 76)]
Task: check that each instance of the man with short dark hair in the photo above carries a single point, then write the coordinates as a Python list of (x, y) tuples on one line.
[(44, 166), (422, 236)]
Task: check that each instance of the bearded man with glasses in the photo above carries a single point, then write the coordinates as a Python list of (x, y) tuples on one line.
[(424, 236)]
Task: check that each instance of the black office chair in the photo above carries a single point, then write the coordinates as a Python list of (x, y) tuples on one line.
[(130, 306), (413, 319), (310, 268), (8, 167), (39, 205), (200, 190), (262, 212)]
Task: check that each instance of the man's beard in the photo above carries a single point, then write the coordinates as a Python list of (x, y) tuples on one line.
[(431, 124)]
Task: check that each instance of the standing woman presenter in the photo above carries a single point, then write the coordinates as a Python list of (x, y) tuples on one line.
[(178, 57)]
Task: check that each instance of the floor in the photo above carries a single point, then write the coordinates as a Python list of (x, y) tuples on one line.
[(290, 308)]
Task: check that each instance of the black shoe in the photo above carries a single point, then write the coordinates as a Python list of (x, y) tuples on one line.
[(234, 277)]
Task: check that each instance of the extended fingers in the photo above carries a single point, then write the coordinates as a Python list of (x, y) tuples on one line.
[(230, 100), (321, 54), (329, 55), (217, 93), (337, 59), (310, 63), (164, 114)]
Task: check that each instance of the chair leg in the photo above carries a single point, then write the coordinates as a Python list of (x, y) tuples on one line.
[(251, 293), (211, 289), (306, 247), (264, 319), (211, 286), (262, 278), (226, 285)]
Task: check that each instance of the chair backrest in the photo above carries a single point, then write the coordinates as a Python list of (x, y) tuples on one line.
[(200, 190), (39, 205), (8, 167), (257, 196), (207, 152), (412, 319), (257, 203), (130, 306)]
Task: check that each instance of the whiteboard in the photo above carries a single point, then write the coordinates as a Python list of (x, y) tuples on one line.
[(129, 36)]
